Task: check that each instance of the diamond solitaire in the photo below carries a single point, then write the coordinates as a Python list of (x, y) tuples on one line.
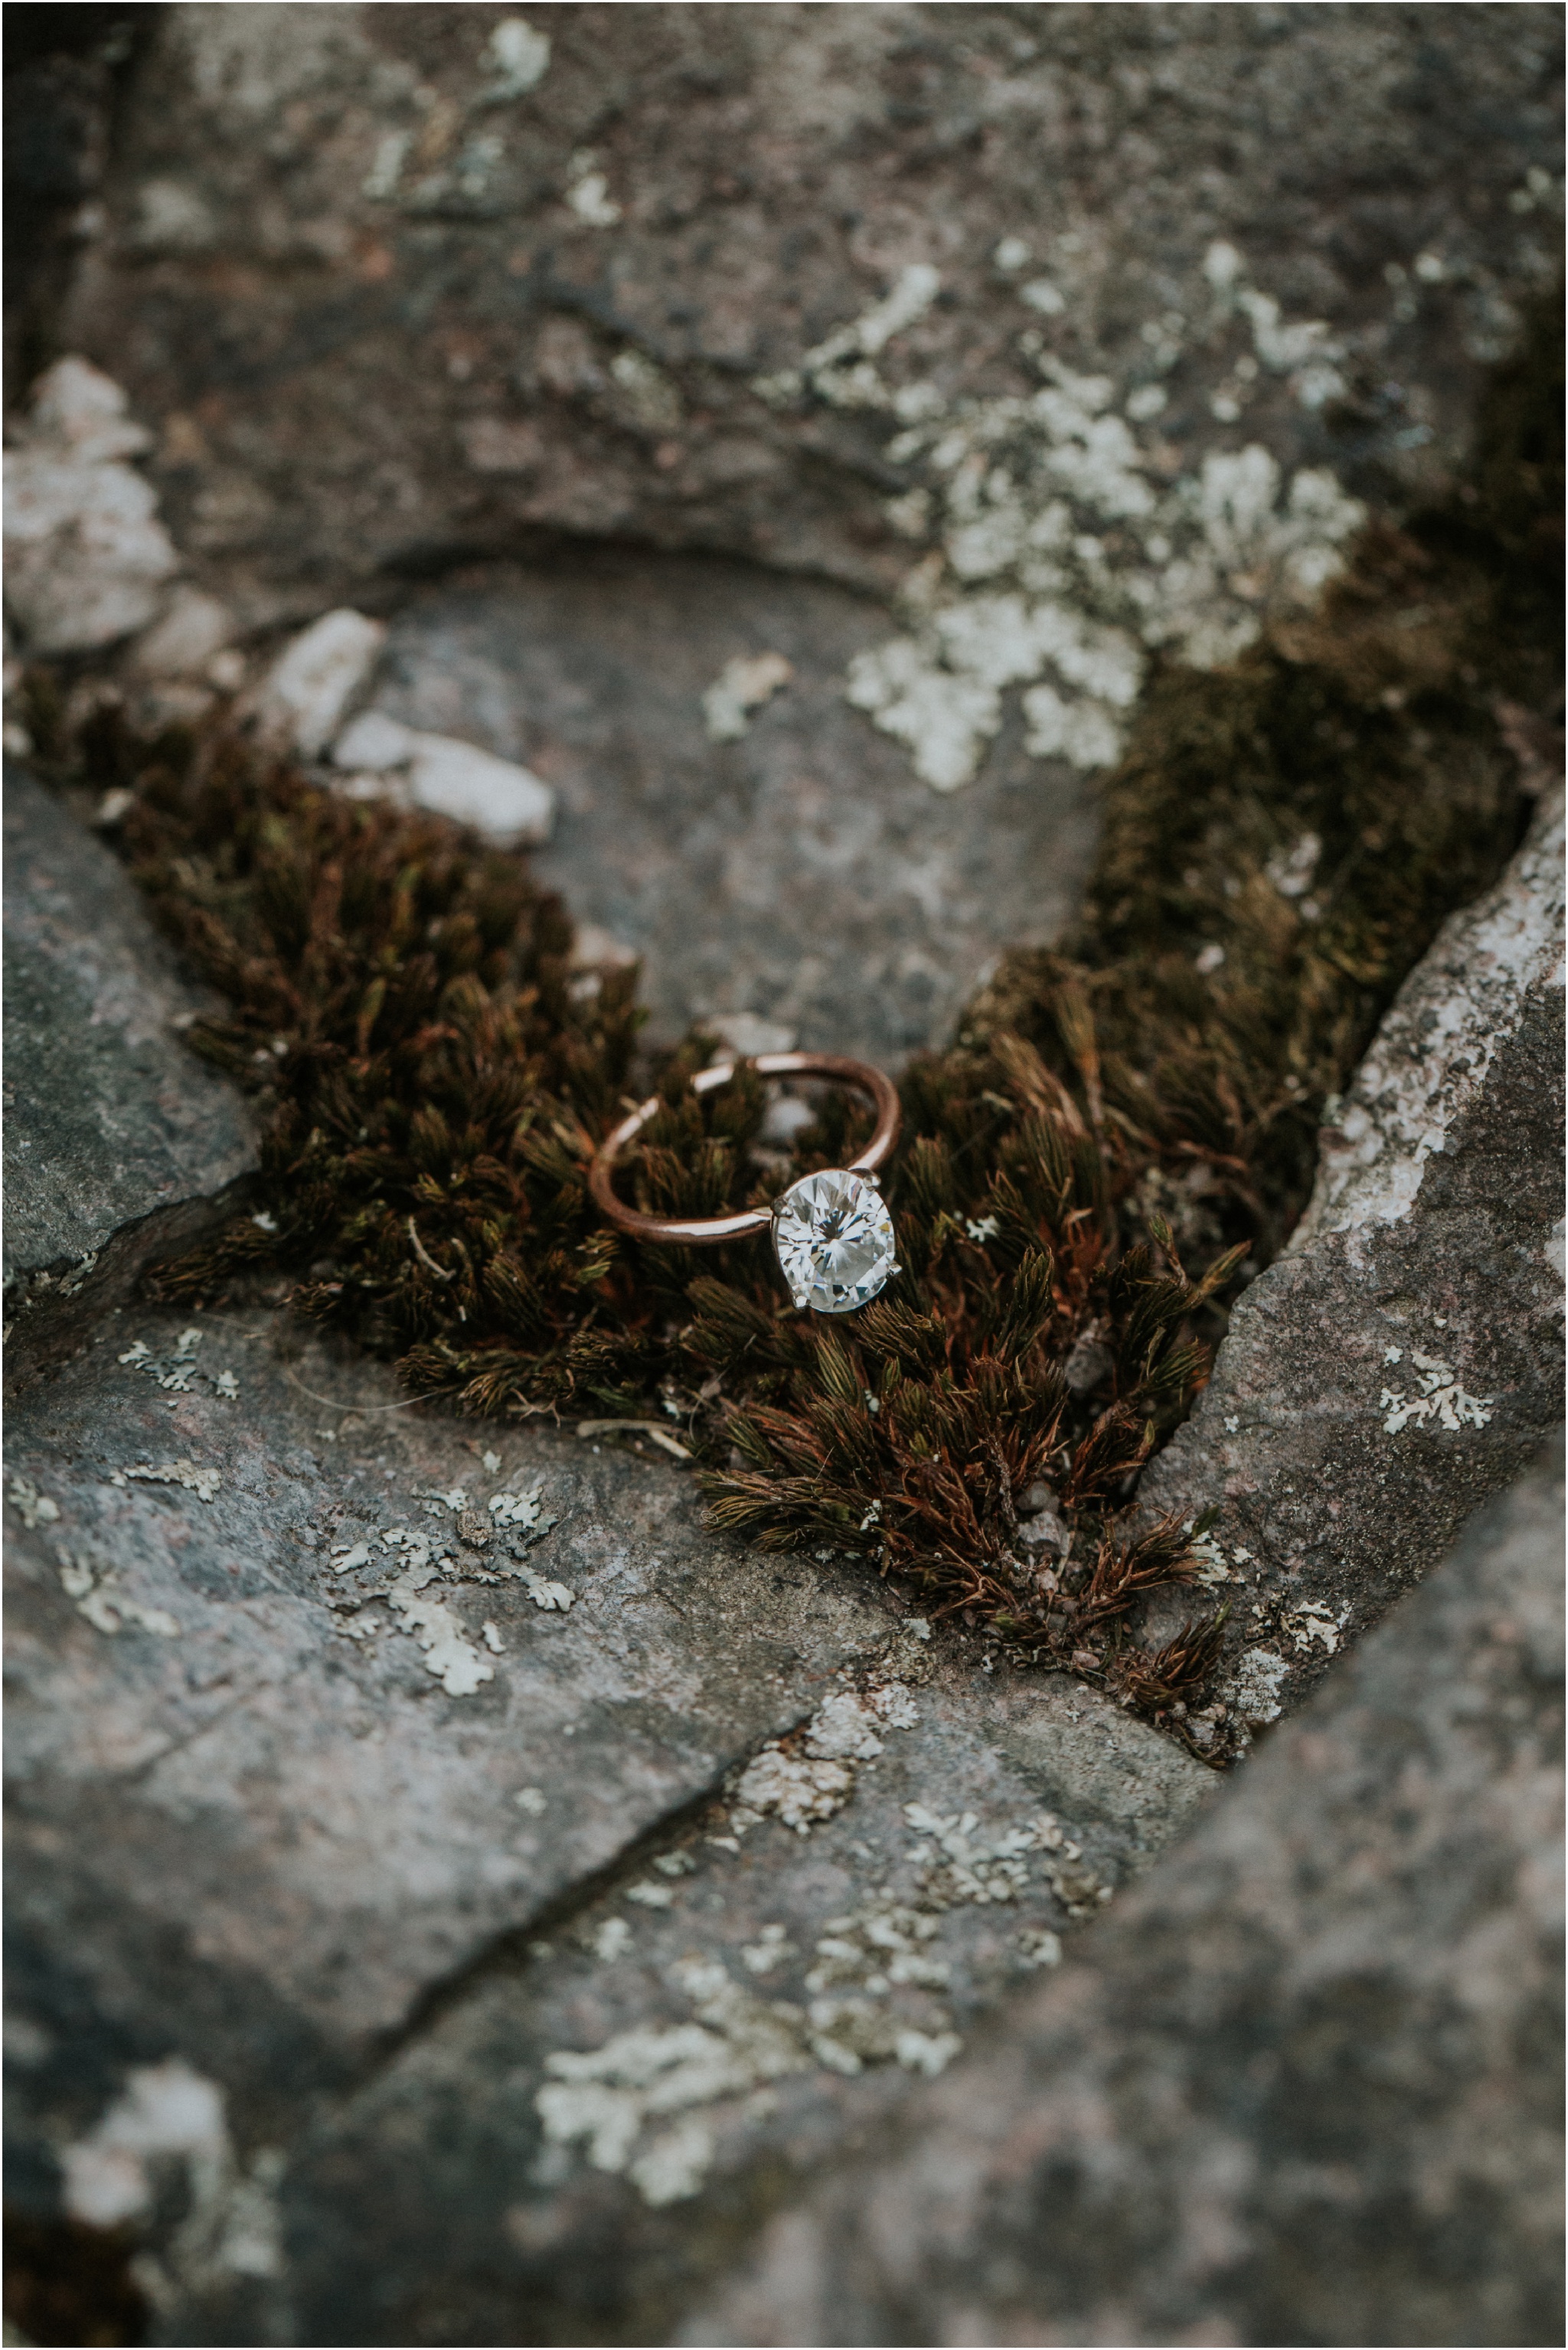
[(834, 1241), (833, 1235)]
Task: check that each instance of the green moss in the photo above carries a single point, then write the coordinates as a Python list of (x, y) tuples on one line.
[(1118, 1134)]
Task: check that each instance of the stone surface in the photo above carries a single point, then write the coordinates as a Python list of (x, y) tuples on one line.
[(1303, 2087), (519, 1952), (798, 875), (117, 1137), (793, 285), (1403, 1359), (576, 287), (61, 68), (287, 1800), (482, 1950)]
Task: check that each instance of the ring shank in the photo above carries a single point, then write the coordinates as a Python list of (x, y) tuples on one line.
[(708, 1232)]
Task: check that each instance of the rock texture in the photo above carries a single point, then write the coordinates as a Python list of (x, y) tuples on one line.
[(578, 274), (791, 871), (426, 1908), (1404, 1358), (117, 1138), (455, 1898), (327, 1744), (1302, 2085)]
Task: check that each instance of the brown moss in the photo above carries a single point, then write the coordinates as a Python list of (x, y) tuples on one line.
[(1118, 1134), (68, 2283)]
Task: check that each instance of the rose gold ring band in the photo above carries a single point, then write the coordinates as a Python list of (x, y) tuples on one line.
[(706, 1231)]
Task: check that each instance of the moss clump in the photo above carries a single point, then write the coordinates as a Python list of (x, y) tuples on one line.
[(1115, 1136)]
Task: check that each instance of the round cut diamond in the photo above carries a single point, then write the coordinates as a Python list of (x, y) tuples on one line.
[(834, 1241)]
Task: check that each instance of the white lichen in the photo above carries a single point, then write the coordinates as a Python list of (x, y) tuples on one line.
[(893, 1706), (587, 191), (650, 1896), (1211, 1568), (799, 1789), (791, 1788), (521, 57), (771, 1949), (1314, 1624), (604, 2098), (876, 1984), (449, 1654), (1440, 1396), (1062, 553), (79, 1275), (34, 1509), (168, 2127), (97, 1595), (178, 1371), (611, 1940), (842, 1731), (741, 687), (1254, 1689), (522, 1509), (87, 560), (961, 1861), (204, 1483), (552, 1598)]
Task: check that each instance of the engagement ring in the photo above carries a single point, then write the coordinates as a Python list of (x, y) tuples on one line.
[(831, 1231)]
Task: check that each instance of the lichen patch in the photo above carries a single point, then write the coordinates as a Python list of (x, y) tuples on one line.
[(204, 1483), (179, 1369), (448, 1653), (168, 2132), (1440, 1397), (98, 1594), (813, 1776), (741, 687), (1061, 553), (1254, 1691), (35, 1509)]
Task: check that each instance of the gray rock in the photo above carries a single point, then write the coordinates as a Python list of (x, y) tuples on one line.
[(592, 2151), (1403, 1359), (118, 1140), (799, 874), (406, 1954), (681, 298), (576, 287), (326, 1812), (288, 1801), (1301, 2086)]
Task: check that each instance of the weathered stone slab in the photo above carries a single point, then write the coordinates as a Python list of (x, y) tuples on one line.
[(1303, 2087), (578, 276), (791, 870), (1403, 1360), (604, 2105), (117, 1137), (321, 1809), (252, 1846)]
